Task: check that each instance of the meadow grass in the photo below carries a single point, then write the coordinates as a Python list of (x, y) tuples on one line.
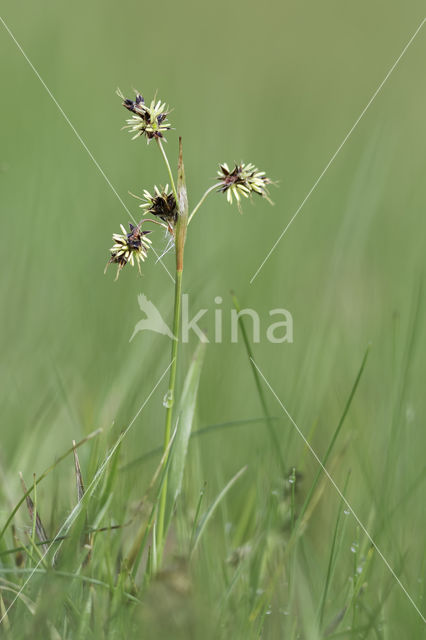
[(259, 544)]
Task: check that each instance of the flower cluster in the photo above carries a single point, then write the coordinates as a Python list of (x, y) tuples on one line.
[(129, 247), (243, 180), (162, 205), (149, 121)]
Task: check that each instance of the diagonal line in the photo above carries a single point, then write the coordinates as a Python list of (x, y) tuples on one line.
[(89, 492), (339, 492), (339, 148), (78, 136)]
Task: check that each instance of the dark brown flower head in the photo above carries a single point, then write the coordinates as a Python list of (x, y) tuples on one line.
[(150, 121), (162, 205), (129, 247), (243, 180), (134, 105)]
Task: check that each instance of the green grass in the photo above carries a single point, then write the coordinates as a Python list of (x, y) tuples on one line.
[(259, 543)]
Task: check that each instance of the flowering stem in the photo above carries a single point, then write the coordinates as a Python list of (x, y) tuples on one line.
[(169, 413), (180, 236), (166, 160), (194, 211)]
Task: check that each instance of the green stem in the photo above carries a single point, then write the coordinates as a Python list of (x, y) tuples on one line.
[(180, 235), (272, 432), (209, 190), (166, 160), (169, 413), (332, 441)]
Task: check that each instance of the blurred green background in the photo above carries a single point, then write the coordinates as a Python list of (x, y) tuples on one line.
[(274, 83)]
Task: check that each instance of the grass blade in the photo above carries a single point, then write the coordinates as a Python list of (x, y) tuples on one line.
[(332, 558), (133, 559), (211, 428), (78, 476), (37, 525), (334, 437), (186, 417), (210, 511), (43, 475), (272, 432)]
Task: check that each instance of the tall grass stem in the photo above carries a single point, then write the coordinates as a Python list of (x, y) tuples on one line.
[(271, 427)]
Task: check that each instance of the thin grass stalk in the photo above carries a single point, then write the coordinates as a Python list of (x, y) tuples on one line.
[(197, 516), (180, 236), (211, 428), (194, 211), (169, 169), (133, 560), (331, 559), (170, 402), (272, 432), (334, 438)]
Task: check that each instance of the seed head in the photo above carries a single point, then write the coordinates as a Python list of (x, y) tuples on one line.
[(129, 247), (162, 205), (243, 180), (150, 121)]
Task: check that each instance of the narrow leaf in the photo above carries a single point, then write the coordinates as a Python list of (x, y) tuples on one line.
[(133, 559), (332, 557), (334, 437), (186, 418), (271, 427), (210, 511), (39, 529), (78, 476), (211, 428)]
